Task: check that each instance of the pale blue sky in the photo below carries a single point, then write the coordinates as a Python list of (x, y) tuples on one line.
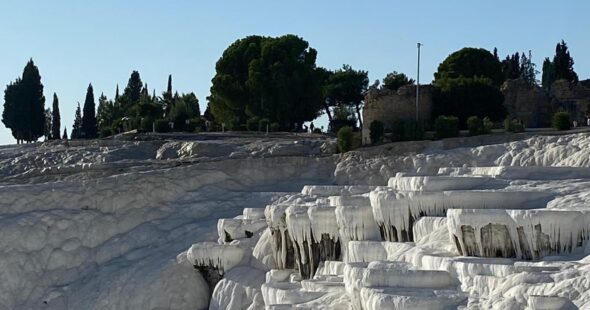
[(78, 42)]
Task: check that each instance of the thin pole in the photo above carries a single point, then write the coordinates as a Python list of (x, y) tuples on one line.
[(418, 85)]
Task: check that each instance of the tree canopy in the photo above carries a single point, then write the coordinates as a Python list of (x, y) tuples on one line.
[(562, 67), (467, 83), (469, 62), (346, 88), (24, 105), (89, 127), (55, 118), (265, 77), (396, 80)]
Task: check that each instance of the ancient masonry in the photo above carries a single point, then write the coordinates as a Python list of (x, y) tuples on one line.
[(532, 105)]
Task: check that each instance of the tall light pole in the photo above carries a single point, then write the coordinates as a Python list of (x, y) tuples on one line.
[(418, 84)]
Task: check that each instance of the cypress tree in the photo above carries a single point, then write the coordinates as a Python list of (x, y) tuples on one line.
[(56, 118), (65, 136), (169, 88), (89, 116), (548, 76), (132, 92), (77, 127), (117, 93), (564, 64), (24, 105)]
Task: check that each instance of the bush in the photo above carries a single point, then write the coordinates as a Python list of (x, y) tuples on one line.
[(275, 127), (317, 130), (252, 123), (513, 126), (477, 126), (412, 131), (562, 121), (106, 132), (345, 139), (406, 130), (146, 125), (376, 131), (446, 127), (194, 125), (262, 123), (162, 125)]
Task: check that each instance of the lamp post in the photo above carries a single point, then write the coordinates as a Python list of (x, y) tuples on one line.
[(418, 84)]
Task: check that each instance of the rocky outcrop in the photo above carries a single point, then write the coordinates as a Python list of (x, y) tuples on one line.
[(387, 106)]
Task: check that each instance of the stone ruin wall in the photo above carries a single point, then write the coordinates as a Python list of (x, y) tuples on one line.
[(532, 105)]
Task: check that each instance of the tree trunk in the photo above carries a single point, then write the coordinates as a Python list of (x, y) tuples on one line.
[(327, 107), (358, 112)]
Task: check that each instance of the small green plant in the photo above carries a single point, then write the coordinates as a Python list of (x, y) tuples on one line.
[(446, 127), (513, 126), (562, 121), (478, 126), (376, 130), (345, 139)]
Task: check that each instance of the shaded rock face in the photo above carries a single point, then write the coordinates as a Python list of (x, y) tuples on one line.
[(572, 98), (530, 104), (387, 106)]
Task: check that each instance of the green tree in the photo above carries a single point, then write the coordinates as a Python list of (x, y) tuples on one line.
[(469, 63), (77, 127), (548, 74), (562, 67), (564, 64), (467, 83), (273, 78), (89, 127), (65, 136), (528, 70), (347, 87), (464, 97), (104, 113), (56, 118), (396, 80), (24, 106), (132, 93)]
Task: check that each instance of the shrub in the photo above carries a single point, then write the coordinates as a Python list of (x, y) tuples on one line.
[(146, 125), (487, 125), (317, 130), (106, 132), (477, 126), (262, 123), (562, 121), (513, 125), (275, 127), (446, 127), (345, 139), (376, 131), (162, 125), (397, 130), (252, 123), (194, 125), (412, 131)]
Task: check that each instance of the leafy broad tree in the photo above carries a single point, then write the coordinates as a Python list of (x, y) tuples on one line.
[(270, 78), (396, 80), (347, 88), (24, 105), (55, 118), (467, 83), (89, 127)]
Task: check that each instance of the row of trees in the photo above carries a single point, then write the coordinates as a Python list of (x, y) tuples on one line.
[(275, 80)]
